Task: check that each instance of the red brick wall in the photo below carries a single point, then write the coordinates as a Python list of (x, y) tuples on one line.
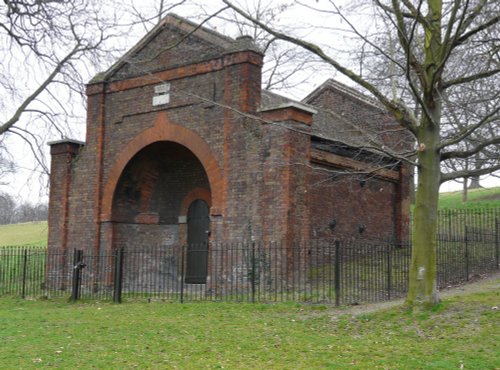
[(231, 160), (63, 154), (142, 163), (345, 118), (351, 201)]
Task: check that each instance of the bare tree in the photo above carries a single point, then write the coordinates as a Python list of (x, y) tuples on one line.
[(7, 208), (432, 35), (286, 66), (6, 163), (460, 109), (50, 49)]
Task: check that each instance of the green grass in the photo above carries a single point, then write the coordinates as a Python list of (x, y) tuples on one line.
[(31, 233), (477, 198), (459, 333)]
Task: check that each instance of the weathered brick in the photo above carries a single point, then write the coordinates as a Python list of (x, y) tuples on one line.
[(142, 165)]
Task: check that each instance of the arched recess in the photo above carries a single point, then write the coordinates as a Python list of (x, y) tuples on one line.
[(198, 193), (164, 130)]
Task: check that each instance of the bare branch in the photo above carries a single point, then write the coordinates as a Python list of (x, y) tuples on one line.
[(471, 152), (469, 130), (403, 115), (470, 78), (50, 78), (478, 29), (469, 173)]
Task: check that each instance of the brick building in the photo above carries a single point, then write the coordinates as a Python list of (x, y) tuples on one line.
[(183, 146)]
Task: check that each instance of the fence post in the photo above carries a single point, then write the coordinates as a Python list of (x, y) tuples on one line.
[(389, 271), (118, 278), (497, 243), (466, 253), (182, 272), (78, 265), (337, 273), (253, 272), (25, 262)]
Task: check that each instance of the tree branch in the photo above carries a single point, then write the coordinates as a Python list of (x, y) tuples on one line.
[(403, 115), (467, 153), (491, 117), (20, 110), (478, 29), (470, 78), (449, 42), (468, 173)]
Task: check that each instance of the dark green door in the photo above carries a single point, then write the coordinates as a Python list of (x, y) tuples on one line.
[(198, 225)]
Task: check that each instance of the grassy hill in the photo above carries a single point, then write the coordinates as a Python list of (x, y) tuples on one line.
[(30, 233), (477, 198)]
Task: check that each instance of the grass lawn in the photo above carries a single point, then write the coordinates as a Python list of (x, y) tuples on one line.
[(30, 233), (477, 198), (461, 333)]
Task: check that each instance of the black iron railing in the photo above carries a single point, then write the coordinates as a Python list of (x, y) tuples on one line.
[(323, 271)]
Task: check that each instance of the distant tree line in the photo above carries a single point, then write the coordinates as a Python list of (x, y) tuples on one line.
[(12, 212)]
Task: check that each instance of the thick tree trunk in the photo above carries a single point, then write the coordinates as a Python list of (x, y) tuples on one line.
[(423, 268), (474, 183), (465, 190), (474, 180), (422, 289)]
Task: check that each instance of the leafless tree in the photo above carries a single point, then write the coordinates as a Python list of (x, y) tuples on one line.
[(460, 109), (432, 36), (50, 49), (6, 163), (286, 66), (7, 208)]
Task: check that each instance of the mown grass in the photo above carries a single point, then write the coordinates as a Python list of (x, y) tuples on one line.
[(477, 198), (460, 333), (30, 233)]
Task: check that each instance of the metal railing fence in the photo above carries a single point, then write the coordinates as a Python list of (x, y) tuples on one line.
[(337, 272), (323, 271)]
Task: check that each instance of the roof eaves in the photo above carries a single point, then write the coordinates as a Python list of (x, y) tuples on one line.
[(338, 86), (291, 104)]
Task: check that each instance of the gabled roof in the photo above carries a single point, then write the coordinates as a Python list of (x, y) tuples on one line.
[(170, 20), (344, 89), (271, 100)]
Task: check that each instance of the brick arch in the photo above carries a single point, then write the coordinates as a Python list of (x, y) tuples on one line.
[(165, 130), (198, 193)]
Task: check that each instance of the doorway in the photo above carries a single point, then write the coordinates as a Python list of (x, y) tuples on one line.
[(198, 226)]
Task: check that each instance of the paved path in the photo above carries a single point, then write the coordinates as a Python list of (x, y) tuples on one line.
[(485, 284)]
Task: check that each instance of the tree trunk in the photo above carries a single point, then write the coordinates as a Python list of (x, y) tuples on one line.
[(423, 268), (474, 183), (465, 190), (422, 289), (474, 180)]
